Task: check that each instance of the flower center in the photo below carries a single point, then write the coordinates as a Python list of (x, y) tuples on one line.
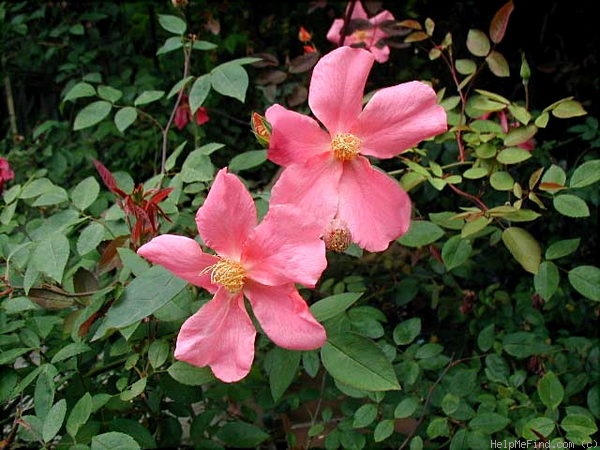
[(345, 146), (229, 274)]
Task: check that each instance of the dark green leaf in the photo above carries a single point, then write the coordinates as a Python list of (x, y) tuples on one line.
[(421, 232), (72, 349), (125, 117), (80, 90), (50, 256), (383, 430), (247, 160), (241, 435), (190, 375), (489, 422), (114, 441), (546, 280), (172, 24), (148, 97), (550, 390), (283, 369), (407, 331), (455, 252), (586, 281), (333, 305), (562, 248), (79, 414), (53, 420), (230, 80), (85, 193), (199, 92), (364, 415)]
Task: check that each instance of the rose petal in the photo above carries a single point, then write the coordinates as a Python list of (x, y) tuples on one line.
[(295, 137), (181, 256), (337, 85), (333, 35), (227, 216), (219, 335), (381, 17), (311, 186), (284, 316), (398, 118), (285, 248), (373, 205)]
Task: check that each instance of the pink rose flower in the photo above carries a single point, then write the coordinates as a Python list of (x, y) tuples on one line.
[(6, 172), (327, 171), (260, 262), (368, 38)]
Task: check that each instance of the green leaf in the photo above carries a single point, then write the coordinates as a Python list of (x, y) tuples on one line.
[(475, 226), (247, 160), (489, 423), (568, 109), (241, 435), (72, 349), (513, 155), (502, 181), (542, 425), (465, 66), (420, 233), (586, 281), (383, 430), (579, 424), (438, 427), (9, 356), (546, 280), (190, 375), (197, 167), (485, 340), (497, 64), (586, 174), (524, 248), (109, 93), (172, 43), (359, 363), (523, 344), (520, 135), (550, 390), (158, 352), (148, 97), (284, 366), (199, 92), (554, 176), (364, 415), (406, 408), (571, 206), (333, 305), (36, 188), (475, 173), (562, 248), (141, 298), (80, 90), (133, 261), (54, 420), (53, 196), (90, 237), (45, 389), (455, 252), (92, 114), (85, 193), (134, 390), (172, 24), (478, 43), (125, 117), (407, 331), (50, 256), (203, 45), (231, 80), (79, 414), (114, 440)]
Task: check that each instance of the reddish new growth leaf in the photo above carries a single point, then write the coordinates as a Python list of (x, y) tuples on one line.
[(141, 206), (500, 22)]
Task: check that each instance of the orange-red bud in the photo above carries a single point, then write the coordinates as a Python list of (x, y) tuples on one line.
[(303, 35), (261, 129)]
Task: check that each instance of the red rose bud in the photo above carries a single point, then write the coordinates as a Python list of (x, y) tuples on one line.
[(304, 36), (261, 129)]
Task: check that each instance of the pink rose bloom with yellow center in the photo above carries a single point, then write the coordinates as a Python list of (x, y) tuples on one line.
[(260, 262), (327, 172), (369, 38)]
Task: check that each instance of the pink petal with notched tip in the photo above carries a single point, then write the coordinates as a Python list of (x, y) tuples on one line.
[(312, 186), (220, 335), (337, 85), (398, 118), (285, 248), (295, 137), (284, 316), (181, 256), (374, 206), (227, 216)]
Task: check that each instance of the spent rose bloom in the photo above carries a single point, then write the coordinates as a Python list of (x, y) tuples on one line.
[(260, 262), (6, 172), (369, 37), (327, 171), (183, 114)]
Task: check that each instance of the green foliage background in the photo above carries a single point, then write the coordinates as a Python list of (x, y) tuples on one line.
[(479, 324)]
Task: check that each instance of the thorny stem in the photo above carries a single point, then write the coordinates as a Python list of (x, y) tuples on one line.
[(187, 51), (347, 19)]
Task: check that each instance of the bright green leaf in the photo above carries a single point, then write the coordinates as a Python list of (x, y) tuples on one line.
[(50, 256), (543, 425), (455, 252), (333, 305), (172, 43), (550, 390), (247, 160), (197, 167), (568, 109), (53, 420), (90, 237), (383, 430), (406, 332), (199, 91), (70, 350), (92, 114), (546, 280), (502, 181), (125, 117), (359, 363), (365, 415), (586, 174), (478, 42), (85, 193), (80, 90), (586, 281), (524, 248), (513, 155), (420, 233), (114, 440), (172, 24), (109, 93), (230, 80), (148, 97), (571, 206)]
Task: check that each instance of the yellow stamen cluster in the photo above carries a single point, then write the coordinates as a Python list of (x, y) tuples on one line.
[(229, 274), (345, 146)]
